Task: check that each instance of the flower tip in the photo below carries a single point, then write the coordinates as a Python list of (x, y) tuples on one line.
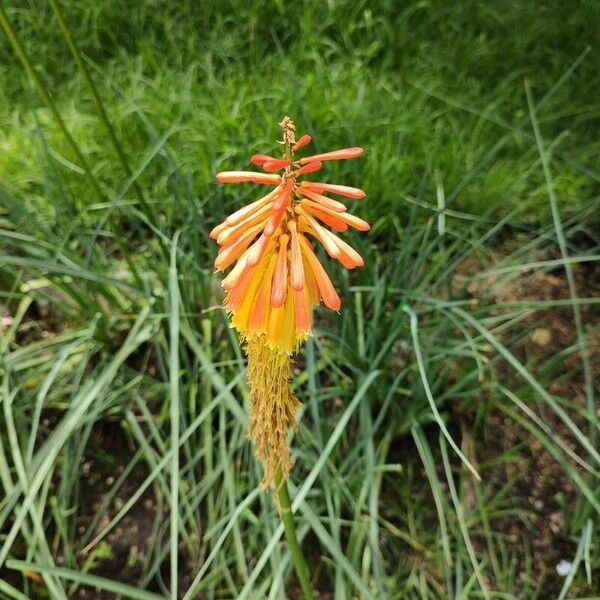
[(216, 231), (270, 166), (257, 250), (332, 301), (310, 167), (334, 155), (340, 190), (247, 177), (260, 159), (305, 139)]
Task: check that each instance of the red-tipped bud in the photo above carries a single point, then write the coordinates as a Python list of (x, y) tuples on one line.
[(335, 155), (260, 159), (276, 165), (305, 139), (311, 167), (247, 176)]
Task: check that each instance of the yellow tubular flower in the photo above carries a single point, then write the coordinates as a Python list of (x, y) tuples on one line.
[(277, 278)]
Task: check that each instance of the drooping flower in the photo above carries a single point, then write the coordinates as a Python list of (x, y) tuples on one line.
[(276, 277)]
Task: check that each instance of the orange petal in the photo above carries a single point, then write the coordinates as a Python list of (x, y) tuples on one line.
[(305, 139), (324, 200), (283, 197), (239, 292), (247, 176), (232, 233), (275, 165), (345, 218), (259, 317), (320, 233), (302, 311), (274, 222), (349, 257), (324, 216), (279, 208), (355, 222), (258, 249), (214, 234), (245, 211), (261, 159), (347, 262), (280, 277), (228, 254), (334, 155), (304, 225), (311, 167), (340, 190), (243, 307), (296, 266), (310, 283), (326, 289), (233, 278)]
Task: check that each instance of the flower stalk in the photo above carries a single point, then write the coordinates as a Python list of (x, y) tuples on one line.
[(300, 564), (275, 281)]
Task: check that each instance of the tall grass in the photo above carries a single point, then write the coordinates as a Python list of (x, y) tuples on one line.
[(475, 186)]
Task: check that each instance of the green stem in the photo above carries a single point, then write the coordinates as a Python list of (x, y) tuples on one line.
[(292, 539)]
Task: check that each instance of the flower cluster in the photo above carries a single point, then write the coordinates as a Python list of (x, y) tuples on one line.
[(277, 278)]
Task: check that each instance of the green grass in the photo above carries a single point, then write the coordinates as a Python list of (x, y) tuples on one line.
[(481, 127)]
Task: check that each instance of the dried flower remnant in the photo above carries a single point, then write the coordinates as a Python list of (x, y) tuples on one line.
[(276, 278)]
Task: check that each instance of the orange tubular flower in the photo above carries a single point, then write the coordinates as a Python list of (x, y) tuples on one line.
[(277, 278)]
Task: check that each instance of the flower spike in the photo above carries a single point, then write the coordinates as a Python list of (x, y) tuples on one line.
[(276, 278)]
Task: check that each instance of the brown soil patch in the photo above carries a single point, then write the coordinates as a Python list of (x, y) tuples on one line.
[(543, 491)]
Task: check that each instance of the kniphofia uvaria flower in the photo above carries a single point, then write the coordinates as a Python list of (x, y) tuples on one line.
[(276, 277)]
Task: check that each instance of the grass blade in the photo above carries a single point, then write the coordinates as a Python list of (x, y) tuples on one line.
[(86, 579), (423, 373), (174, 406)]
